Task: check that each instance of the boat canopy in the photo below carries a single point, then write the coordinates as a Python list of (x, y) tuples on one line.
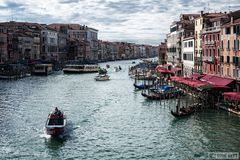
[(234, 96)]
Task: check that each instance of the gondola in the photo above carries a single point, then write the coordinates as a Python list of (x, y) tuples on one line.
[(165, 95), (142, 86), (183, 112)]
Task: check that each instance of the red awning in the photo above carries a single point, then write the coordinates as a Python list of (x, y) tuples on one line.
[(235, 96), (175, 69), (217, 81), (161, 69), (196, 76)]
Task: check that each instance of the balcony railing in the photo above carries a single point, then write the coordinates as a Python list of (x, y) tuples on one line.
[(209, 42), (211, 29), (198, 59), (208, 59)]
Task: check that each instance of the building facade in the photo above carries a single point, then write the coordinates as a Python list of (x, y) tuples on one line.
[(188, 56), (230, 46), (211, 44)]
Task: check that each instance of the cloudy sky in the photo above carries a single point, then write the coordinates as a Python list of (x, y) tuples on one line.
[(139, 21)]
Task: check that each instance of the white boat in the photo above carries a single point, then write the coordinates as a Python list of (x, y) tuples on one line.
[(42, 69), (102, 77), (56, 123), (80, 68)]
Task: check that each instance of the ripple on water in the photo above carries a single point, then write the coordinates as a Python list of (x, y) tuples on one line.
[(106, 121)]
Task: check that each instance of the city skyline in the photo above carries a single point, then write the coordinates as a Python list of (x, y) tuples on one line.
[(142, 22)]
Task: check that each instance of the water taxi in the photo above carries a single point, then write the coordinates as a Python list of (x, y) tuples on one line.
[(42, 69), (81, 68), (102, 77), (56, 123)]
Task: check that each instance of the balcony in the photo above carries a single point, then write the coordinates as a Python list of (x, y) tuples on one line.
[(211, 29), (208, 59), (209, 42), (198, 59)]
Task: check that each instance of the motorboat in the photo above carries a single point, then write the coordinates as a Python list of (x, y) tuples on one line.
[(42, 69), (80, 68), (56, 123), (102, 77)]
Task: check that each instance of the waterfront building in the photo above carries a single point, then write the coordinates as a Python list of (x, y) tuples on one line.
[(211, 42), (188, 56), (230, 46), (82, 34), (49, 44), (178, 31), (3, 45), (198, 65), (62, 41), (9, 32), (162, 53)]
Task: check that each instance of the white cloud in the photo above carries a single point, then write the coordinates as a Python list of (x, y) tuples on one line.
[(142, 21)]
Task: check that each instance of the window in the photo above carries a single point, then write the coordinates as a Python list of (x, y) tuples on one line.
[(222, 59), (228, 30), (238, 44), (222, 44), (218, 54), (196, 23), (210, 52), (228, 45), (188, 56), (185, 44), (228, 59), (228, 73), (210, 37), (235, 44), (206, 52), (213, 38), (234, 29)]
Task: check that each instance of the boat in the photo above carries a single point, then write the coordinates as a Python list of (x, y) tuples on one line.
[(42, 69), (102, 77), (81, 68), (116, 69), (107, 65), (162, 95), (133, 62), (183, 112), (142, 86), (56, 123), (102, 71)]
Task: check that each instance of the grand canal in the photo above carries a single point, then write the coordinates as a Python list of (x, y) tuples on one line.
[(106, 120)]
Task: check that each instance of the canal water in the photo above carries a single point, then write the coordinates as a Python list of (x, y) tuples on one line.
[(106, 120)]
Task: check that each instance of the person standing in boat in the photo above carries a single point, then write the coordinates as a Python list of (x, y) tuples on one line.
[(57, 111)]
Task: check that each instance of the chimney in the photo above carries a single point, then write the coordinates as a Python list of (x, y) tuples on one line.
[(201, 13)]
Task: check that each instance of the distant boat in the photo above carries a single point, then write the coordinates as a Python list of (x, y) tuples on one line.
[(116, 69), (56, 123), (183, 112), (133, 62), (102, 71), (142, 86), (42, 69), (107, 65), (81, 68), (102, 77)]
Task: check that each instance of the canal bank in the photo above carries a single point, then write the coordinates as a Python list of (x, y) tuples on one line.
[(107, 120)]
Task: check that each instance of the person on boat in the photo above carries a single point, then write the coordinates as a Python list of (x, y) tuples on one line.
[(57, 111), (120, 68)]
